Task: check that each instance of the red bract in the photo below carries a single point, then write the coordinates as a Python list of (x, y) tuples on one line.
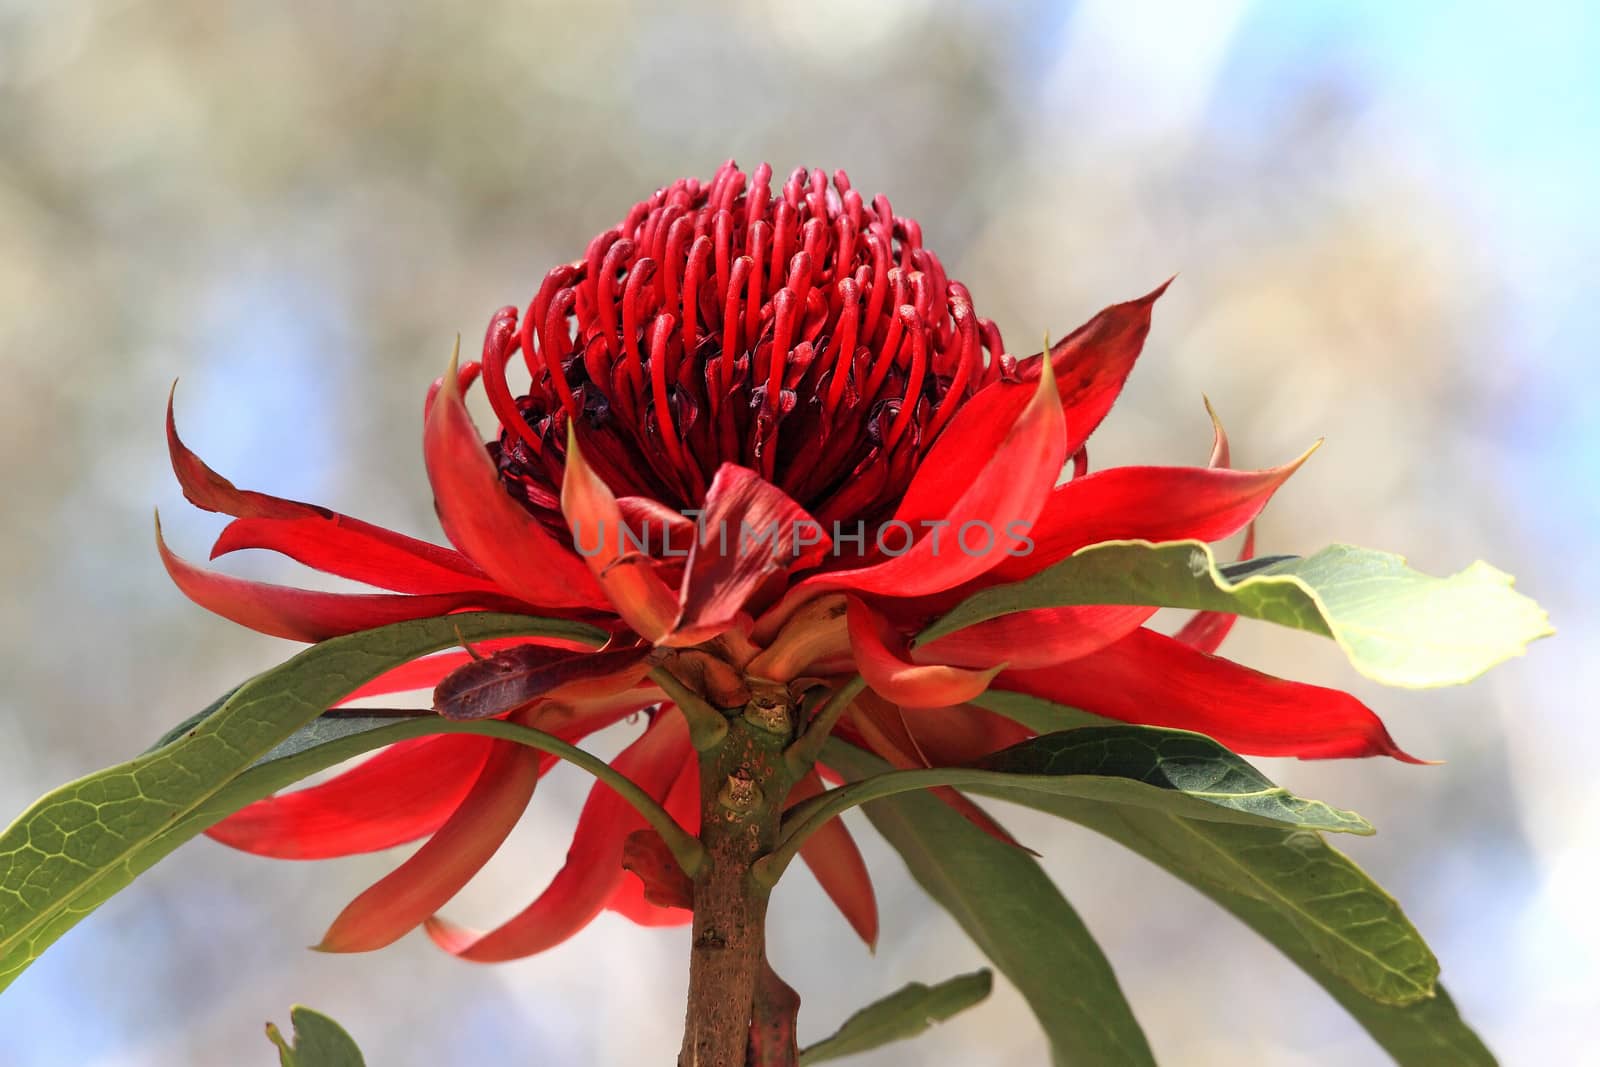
[(728, 360)]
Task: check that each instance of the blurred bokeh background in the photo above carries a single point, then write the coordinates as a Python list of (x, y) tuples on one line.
[(1382, 215)]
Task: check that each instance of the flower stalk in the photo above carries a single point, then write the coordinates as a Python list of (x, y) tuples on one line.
[(744, 781)]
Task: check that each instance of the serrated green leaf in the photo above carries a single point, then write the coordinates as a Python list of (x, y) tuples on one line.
[(1015, 914), (903, 1014), (81, 843), (1302, 895), (318, 1042), (1396, 625)]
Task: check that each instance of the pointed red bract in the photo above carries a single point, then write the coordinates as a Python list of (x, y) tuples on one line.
[(1151, 679), (1092, 363), (329, 546), (307, 615), (1090, 366), (1041, 637), (1148, 504), (626, 573), (594, 863), (628, 899), (210, 491), (1207, 629), (1000, 504), (749, 531), (483, 521), (832, 855), (424, 883), (881, 658), (399, 794)]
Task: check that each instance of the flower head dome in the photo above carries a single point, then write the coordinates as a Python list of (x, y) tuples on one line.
[(806, 335)]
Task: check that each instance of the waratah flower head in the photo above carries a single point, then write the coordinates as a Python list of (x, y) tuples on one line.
[(759, 440)]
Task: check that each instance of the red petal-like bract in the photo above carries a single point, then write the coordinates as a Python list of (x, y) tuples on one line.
[(485, 522), (399, 794), (422, 884), (628, 576), (594, 864), (333, 548), (1156, 680), (1043, 637), (1148, 504), (1090, 366), (1000, 504), (683, 804), (1208, 629), (894, 677), (210, 491), (832, 855), (308, 615), (750, 531)]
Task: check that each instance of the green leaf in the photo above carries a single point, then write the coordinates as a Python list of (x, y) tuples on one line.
[(83, 842), (330, 727), (192, 721), (1173, 771), (1298, 892), (1015, 914), (1424, 1033), (356, 735), (1397, 626), (903, 1014), (318, 1042), (1169, 770)]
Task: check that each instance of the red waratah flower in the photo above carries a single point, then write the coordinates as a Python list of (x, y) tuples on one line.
[(728, 360)]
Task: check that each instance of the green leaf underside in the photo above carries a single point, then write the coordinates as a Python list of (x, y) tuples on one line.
[(1298, 892), (903, 1014), (80, 844), (1015, 914), (1396, 625), (326, 729), (318, 1042), (191, 722), (1175, 771)]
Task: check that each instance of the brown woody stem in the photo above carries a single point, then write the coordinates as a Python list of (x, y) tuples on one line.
[(743, 784)]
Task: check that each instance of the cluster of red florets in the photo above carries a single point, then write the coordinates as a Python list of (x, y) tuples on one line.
[(808, 336)]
